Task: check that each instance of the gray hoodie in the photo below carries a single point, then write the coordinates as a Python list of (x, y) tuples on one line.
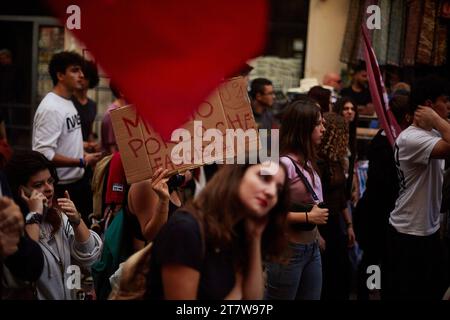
[(61, 250)]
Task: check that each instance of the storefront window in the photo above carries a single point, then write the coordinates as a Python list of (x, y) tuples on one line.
[(283, 59)]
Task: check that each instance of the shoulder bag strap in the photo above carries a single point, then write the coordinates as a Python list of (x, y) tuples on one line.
[(304, 180)]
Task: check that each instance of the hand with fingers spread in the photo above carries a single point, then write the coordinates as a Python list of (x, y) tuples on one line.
[(159, 184), (11, 226), (35, 200), (68, 208)]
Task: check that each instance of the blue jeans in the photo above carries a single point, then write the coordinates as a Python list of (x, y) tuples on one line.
[(301, 279)]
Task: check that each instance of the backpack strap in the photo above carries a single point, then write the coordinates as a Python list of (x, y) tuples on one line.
[(98, 186)]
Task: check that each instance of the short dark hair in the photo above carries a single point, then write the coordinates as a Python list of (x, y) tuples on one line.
[(90, 72), (400, 107), (359, 67), (321, 96), (21, 167), (429, 87), (257, 86), (61, 61)]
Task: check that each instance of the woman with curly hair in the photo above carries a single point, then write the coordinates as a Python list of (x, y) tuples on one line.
[(347, 108), (335, 261)]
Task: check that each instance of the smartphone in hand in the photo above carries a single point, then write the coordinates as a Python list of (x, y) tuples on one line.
[(28, 192)]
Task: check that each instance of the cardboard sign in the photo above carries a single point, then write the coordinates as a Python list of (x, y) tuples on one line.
[(129, 130), (239, 113), (236, 104), (143, 150), (212, 116)]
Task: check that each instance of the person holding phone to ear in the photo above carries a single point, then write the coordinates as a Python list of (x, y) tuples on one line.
[(55, 224)]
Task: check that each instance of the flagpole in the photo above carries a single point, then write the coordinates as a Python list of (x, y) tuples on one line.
[(378, 92)]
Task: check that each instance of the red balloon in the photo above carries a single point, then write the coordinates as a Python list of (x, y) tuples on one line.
[(167, 56)]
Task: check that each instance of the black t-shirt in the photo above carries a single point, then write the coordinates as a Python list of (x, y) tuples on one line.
[(333, 185), (87, 114), (359, 98), (180, 242), (371, 218), (28, 261)]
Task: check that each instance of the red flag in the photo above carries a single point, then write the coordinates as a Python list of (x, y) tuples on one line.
[(167, 56), (378, 92)]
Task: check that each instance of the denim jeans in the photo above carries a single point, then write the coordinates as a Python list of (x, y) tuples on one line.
[(301, 279)]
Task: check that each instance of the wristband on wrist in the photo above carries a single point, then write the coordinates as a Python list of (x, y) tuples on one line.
[(82, 163), (33, 217), (349, 224), (306, 215)]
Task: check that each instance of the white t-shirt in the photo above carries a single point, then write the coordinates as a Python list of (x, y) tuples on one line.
[(57, 129), (417, 208)]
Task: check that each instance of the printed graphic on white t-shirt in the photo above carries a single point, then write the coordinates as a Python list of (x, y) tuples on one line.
[(73, 122), (57, 130), (417, 208)]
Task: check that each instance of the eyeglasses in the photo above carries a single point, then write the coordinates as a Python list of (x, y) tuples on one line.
[(269, 94)]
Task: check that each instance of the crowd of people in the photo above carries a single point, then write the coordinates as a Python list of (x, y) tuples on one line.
[(72, 228)]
